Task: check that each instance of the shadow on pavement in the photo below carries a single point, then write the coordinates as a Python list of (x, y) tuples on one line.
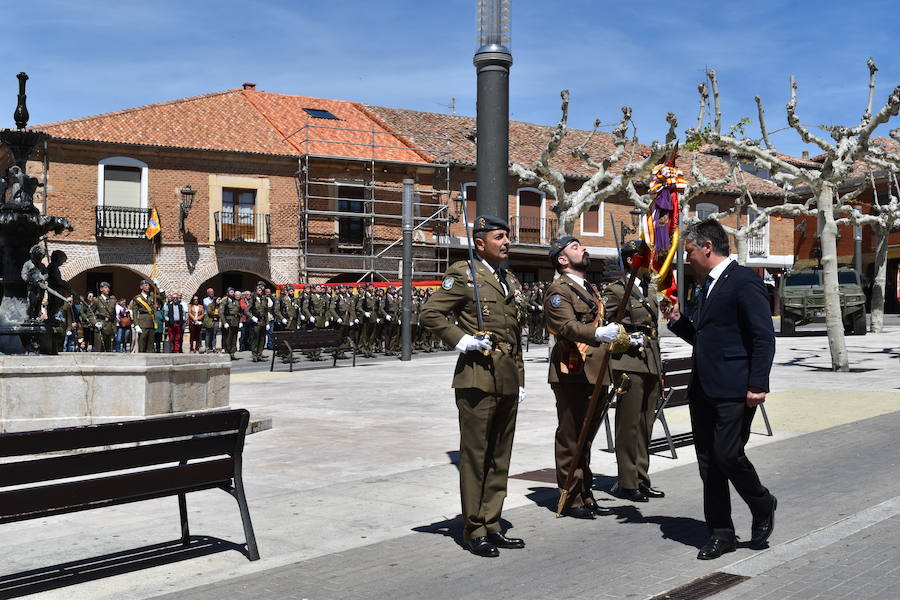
[(453, 528), (685, 530), (62, 575)]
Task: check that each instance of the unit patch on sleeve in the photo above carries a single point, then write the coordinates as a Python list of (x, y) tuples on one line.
[(448, 283), (556, 301)]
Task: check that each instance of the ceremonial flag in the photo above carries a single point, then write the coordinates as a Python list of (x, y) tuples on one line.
[(153, 226)]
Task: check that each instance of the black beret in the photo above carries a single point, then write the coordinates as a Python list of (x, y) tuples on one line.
[(231, 289), (143, 281), (557, 246), (260, 284), (489, 223)]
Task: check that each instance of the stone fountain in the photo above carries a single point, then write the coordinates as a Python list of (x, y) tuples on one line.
[(22, 228), (38, 391)]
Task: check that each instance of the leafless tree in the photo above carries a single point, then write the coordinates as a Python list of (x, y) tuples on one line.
[(849, 144), (604, 182)]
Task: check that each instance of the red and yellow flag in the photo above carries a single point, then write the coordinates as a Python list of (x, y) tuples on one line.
[(153, 226)]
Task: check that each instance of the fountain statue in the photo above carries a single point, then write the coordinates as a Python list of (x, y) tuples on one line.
[(23, 275)]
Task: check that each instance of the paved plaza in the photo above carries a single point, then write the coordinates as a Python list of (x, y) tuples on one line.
[(353, 494)]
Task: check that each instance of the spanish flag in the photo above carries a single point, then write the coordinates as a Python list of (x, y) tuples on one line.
[(153, 226)]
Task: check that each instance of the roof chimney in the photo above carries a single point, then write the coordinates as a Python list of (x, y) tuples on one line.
[(250, 86), (805, 152)]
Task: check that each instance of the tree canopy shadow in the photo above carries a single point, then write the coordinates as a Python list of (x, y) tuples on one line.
[(62, 575)]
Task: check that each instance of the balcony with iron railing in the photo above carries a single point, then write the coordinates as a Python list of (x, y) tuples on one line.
[(121, 221), (758, 245), (246, 228), (533, 231)]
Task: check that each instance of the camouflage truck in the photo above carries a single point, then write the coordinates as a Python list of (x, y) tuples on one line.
[(802, 298)]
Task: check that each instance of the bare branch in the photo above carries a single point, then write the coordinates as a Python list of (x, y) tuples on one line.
[(872, 70), (794, 121), (714, 82), (703, 90), (762, 123)]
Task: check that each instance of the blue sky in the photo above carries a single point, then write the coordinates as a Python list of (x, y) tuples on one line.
[(90, 57)]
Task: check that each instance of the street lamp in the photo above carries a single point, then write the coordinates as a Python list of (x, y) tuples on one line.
[(187, 201), (492, 62), (635, 214)]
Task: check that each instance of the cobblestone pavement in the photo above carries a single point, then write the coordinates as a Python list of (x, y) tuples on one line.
[(639, 551)]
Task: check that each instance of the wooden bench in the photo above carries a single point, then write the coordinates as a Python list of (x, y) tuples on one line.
[(299, 340), (676, 377), (99, 456)]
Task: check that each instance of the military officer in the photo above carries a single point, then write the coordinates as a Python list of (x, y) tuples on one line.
[(230, 313), (574, 314), (341, 312), (144, 317), (286, 313), (640, 359), (367, 313), (257, 313), (390, 307), (104, 311), (317, 311), (488, 379)]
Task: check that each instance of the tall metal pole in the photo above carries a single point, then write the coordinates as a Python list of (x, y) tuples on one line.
[(679, 262), (406, 289), (492, 62)]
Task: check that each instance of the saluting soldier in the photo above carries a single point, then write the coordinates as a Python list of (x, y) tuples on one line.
[(640, 359), (488, 380), (574, 314), (144, 317), (104, 311), (257, 313), (230, 313)]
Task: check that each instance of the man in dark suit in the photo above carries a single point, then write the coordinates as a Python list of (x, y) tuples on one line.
[(734, 343)]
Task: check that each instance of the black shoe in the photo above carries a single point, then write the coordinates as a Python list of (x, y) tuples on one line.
[(480, 546), (579, 512), (631, 495), (501, 541), (651, 492), (598, 510), (762, 528), (716, 547)]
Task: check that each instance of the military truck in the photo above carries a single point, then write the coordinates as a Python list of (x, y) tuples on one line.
[(802, 298)]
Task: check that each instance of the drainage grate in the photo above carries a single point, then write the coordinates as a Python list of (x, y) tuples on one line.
[(542, 475), (703, 587)]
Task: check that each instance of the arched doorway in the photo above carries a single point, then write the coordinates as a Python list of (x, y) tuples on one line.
[(123, 281), (239, 280)]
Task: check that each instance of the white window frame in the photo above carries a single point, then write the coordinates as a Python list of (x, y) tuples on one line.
[(705, 206), (122, 161), (601, 221), (543, 216)]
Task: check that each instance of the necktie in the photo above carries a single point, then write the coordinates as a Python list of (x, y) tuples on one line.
[(703, 292), (501, 277)]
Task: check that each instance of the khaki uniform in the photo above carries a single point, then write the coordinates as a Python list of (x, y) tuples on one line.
[(487, 387), (366, 302), (230, 313), (391, 307), (286, 310), (258, 307), (636, 409), (145, 318), (317, 309), (104, 312), (570, 311)]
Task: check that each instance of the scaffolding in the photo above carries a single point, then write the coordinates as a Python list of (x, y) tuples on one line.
[(350, 203)]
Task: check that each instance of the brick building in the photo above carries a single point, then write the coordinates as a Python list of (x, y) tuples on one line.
[(297, 189)]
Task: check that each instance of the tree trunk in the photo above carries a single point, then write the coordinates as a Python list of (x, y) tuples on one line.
[(743, 247), (834, 321), (880, 280), (566, 223)]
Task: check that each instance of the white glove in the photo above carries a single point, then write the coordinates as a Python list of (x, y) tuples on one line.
[(607, 333), (284, 321), (226, 325), (471, 343), (367, 314), (636, 339), (99, 325), (327, 323), (521, 395), (137, 330), (302, 318), (254, 319), (312, 319), (356, 321), (387, 317), (340, 321), (240, 325)]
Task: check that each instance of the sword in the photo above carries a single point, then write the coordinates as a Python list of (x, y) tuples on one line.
[(481, 332)]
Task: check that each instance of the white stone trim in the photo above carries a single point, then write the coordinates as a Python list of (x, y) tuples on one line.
[(123, 161)]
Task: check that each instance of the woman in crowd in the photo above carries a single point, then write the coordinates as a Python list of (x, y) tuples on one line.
[(123, 327), (195, 323)]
